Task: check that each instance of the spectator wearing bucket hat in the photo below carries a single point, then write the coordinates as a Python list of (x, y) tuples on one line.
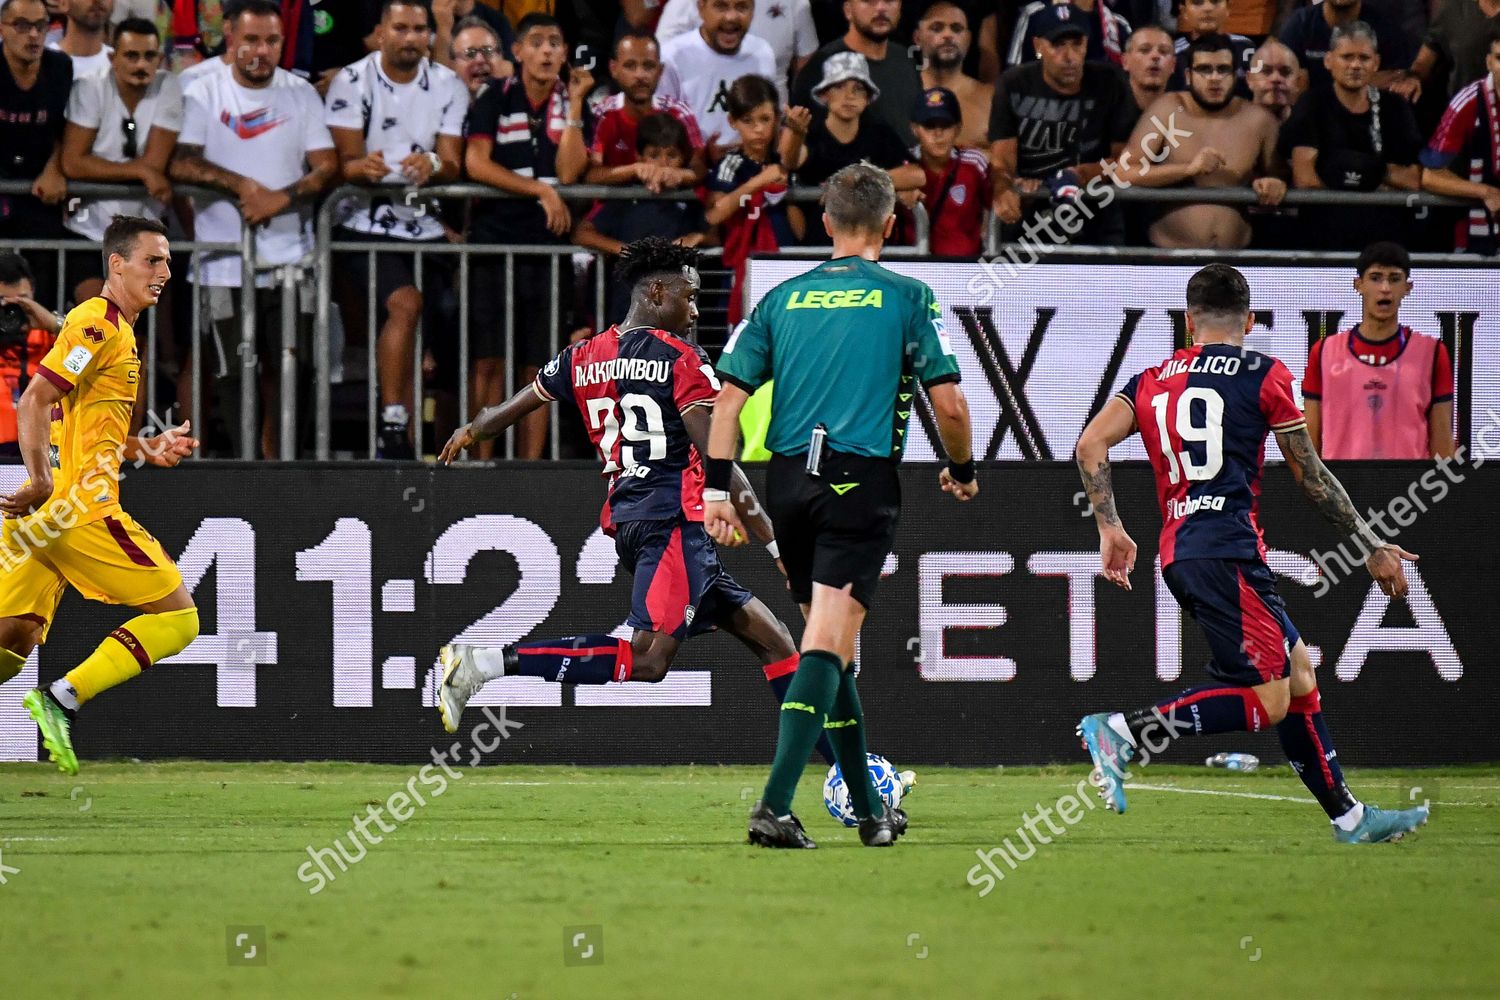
[(842, 128), (871, 23)]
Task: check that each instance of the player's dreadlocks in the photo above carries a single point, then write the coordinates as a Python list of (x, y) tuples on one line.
[(649, 257)]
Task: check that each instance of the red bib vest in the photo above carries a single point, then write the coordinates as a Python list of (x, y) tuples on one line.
[(1377, 411)]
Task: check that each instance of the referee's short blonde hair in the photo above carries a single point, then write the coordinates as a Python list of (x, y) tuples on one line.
[(859, 198)]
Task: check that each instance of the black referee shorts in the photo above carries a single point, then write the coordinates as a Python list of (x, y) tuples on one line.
[(835, 529)]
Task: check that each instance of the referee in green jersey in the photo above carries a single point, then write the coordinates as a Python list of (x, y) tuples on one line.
[(846, 343)]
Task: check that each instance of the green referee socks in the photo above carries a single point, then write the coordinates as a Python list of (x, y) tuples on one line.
[(846, 731), (808, 700)]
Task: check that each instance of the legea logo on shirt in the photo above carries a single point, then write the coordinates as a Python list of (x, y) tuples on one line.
[(78, 359), (251, 124)]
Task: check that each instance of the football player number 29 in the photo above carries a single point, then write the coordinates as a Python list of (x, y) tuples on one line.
[(1201, 425), (637, 418)]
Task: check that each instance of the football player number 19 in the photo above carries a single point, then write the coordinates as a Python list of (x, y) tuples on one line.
[(639, 419), (1207, 430)]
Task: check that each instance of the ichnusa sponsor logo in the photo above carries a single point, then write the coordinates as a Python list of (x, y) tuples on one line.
[(851, 298), (1182, 508)]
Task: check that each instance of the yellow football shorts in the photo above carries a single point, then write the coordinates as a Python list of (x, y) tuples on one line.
[(113, 560)]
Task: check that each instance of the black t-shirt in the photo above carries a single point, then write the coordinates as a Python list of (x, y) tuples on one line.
[(1053, 130), (31, 121), (1307, 33), (1353, 150), (896, 75), (339, 31), (875, 141)]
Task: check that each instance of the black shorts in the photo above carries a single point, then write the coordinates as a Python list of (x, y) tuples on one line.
[(835, 529), (679, 587), (536, 340), (1236, 604), (394, 269)]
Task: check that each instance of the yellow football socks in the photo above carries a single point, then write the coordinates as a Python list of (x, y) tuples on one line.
[(132, 648), (10, 664)]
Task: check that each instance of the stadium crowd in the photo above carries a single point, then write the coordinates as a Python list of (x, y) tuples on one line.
[(973, 106)]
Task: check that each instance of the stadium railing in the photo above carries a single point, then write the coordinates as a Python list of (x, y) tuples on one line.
[(328, 245), (318, 268)]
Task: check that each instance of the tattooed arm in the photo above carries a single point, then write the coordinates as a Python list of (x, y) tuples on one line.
[(258, 203), (322, 166), (189, 167), (1112, 425), (1327, 494)]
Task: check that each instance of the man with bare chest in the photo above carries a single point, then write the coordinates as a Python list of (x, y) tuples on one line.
[(1229, 142), (943, 37)]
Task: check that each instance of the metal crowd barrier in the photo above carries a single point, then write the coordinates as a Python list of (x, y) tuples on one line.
[(293, 278), (328, 244), (244, 247)]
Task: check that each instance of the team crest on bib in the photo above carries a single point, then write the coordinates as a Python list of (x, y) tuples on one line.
[(960, 194)]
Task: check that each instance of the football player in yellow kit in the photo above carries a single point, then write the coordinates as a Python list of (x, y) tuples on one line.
[(65, 524)]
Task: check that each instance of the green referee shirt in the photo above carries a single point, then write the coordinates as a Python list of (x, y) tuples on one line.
[(846, 344)]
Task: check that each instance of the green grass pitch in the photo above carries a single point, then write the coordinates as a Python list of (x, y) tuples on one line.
[(133, 881)]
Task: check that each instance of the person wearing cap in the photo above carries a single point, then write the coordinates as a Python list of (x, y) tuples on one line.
[(890, 67), (842, 129), (943, 38), (1056, 122), (956, 188), (1105, 30)]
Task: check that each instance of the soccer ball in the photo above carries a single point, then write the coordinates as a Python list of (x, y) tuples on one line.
[(836, 794)]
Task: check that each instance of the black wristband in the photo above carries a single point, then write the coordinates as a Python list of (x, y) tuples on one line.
[(718, 473), (962, 472)]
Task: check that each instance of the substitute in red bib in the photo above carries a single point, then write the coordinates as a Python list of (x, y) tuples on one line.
[(1380, 389)]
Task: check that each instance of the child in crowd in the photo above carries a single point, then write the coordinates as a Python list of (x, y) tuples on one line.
[(661, 140), (842, 130), (747, 187), (956, 187)]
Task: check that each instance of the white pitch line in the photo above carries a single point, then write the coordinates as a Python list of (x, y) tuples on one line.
[(1260, 795), (1131, 786)]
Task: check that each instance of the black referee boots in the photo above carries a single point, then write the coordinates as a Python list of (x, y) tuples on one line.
[(882, 831), (769, 830)]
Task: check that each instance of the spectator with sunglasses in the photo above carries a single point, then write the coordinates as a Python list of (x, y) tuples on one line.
[(122, 127), (476, 55), (450, 17)]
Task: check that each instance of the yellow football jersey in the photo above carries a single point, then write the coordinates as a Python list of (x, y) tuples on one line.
[(98, 368)]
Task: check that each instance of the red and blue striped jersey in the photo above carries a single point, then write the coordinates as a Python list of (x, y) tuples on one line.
[(632, 387), (1204, 415)]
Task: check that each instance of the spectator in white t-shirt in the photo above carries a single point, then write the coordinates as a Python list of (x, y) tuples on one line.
[(787, 25), (83, 39), (699, 67), (122, 127), (257, 134), (397, 121)]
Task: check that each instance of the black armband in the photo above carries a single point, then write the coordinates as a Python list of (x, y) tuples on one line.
[(962, 472), (718, 473)]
